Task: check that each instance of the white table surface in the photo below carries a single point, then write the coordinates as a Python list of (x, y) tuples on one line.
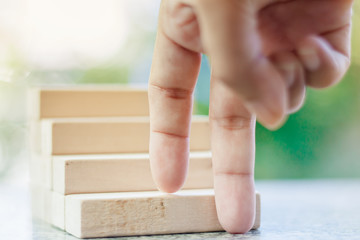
[(291, 209)]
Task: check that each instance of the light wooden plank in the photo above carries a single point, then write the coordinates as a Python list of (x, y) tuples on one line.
[(82, 101), (40, 169), (57, 210), (48, 206), (40, 202), (87, 101), (110, 135), (34, 136), (121, 173), (257, 222), (142, 213)]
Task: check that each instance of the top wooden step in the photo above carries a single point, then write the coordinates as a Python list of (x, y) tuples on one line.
[(87, 101)]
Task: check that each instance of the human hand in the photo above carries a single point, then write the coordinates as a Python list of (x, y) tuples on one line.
[(263, 53)]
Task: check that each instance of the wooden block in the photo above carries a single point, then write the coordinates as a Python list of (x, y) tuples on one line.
[(82, 101), (40, 202), (40, 168), (142, 213), (110, 135), (87, 101), (257, 221), (129, 213), (34, 133), (48, 206), (120, 173), (57, 210)]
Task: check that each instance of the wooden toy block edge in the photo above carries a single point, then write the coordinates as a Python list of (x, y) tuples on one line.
[(106, 135), (145, 213), (48, 206), (105, 215), (87, 101), (120, 173)]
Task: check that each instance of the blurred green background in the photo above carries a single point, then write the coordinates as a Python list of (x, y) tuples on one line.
[(111, 42)]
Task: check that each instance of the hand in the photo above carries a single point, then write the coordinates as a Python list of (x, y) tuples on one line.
[(263, 53)]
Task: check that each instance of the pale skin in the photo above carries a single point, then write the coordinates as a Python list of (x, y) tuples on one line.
[(263, 54)]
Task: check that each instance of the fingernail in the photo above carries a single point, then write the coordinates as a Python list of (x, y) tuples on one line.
[(288, 70), (310, 58)]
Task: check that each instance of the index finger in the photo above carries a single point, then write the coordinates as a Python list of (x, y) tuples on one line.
[(172, 80)]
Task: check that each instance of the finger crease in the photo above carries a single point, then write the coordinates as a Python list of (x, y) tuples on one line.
[(174, 42), (233, 122), (175, 93), (174, 135), (278, 2), (231, 173), (347, 25), (329, 32)]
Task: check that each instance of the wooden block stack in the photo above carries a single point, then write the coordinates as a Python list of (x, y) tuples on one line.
[(90, 171)]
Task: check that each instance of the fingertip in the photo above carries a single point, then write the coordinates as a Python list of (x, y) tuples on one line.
[(297, 102), (325, 66), (293, 73), (269, 97), (235, 204), (308, 53), (168, 161), (271, 119), (168, 179), (169, 186), (286, 63), (277, 125), (241, 226)]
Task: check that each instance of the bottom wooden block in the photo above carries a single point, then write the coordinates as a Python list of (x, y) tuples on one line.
[(143, 213), (130, 213), (48, 206)]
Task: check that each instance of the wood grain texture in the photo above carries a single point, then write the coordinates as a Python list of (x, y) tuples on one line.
[(121, 173), (143, 213), (110, 135), (87, 101)]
